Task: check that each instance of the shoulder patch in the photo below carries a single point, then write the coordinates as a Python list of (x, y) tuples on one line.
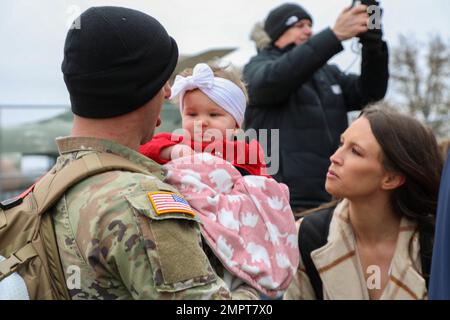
[(169, 202)]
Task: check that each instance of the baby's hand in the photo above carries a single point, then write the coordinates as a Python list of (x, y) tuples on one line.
[(176, 151)]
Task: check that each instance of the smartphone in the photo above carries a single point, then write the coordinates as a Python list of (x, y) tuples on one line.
[(366, 2)]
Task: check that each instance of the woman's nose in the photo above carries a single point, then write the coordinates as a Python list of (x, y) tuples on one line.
[(336, 158)]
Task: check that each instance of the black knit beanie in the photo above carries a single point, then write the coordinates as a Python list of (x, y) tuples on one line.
[(116, 61), (282, 18)]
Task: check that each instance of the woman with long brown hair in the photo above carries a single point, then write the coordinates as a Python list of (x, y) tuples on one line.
[(377, 240)]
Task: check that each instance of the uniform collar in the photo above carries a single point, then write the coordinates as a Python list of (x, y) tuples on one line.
[(68, 145)]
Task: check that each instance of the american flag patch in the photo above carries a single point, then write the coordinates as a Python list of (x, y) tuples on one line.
[(168, 202)]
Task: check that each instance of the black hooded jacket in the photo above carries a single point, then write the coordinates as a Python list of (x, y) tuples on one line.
[(294, 90)]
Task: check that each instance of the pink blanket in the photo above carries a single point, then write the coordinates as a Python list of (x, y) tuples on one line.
[(247, 221)]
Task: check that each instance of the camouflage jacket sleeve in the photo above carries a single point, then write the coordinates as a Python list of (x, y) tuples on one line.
[(131, 248), (243, 291)]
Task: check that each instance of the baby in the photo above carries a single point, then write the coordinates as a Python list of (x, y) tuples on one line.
[(212, 111), (246, 218)]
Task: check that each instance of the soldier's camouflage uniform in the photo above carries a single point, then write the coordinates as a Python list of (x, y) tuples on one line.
[(107, 229)]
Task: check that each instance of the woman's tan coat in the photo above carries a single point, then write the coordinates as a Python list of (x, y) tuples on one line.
[(341, 272)]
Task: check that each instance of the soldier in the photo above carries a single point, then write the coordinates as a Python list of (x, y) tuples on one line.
[(127, 235)]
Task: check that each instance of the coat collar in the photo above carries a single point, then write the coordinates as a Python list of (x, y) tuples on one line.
[(338, 260)]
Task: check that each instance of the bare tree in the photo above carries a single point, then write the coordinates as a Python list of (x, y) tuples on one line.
[(420, 78)]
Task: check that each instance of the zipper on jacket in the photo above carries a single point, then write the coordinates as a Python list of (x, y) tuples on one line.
[(325, 121), (327, 127)]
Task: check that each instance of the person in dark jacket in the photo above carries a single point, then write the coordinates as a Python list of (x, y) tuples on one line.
[(293, 89), (440, 275)]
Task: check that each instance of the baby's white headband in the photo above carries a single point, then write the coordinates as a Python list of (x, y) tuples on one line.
[(222, 91)]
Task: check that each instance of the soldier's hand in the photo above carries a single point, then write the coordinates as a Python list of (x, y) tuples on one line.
[(351, 22)]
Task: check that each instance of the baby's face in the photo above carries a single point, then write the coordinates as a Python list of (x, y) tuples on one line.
[(204, 120)]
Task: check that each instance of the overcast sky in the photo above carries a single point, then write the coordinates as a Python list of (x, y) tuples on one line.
[(32, 34)]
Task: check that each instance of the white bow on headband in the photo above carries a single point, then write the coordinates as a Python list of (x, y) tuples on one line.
[(222, 91)]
